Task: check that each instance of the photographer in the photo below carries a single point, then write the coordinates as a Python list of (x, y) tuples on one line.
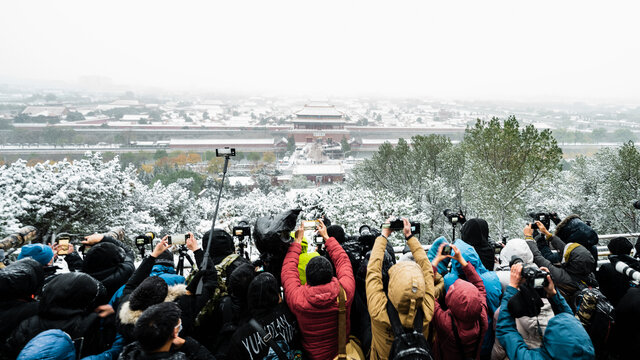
[(314, 303), (475, 232), (411, 291), (575, 271), (157, 332), (614, 284), (108, 260), (564, 337)]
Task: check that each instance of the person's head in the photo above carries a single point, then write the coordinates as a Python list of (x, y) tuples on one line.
[(573, 229), (319, 271), (620, 246), (475, 232), (239, 281), (38, 252), (566, 338), (517, 248), (464, 301), (153, 290), (406, 286), (51, 344), (21, 279), (263, 293), (221, 243), (158, 326), (102, 256), (337, 232), (74, 291), (165, 259), (576, 259)]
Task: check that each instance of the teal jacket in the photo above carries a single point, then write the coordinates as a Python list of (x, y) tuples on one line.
[(564, 338)]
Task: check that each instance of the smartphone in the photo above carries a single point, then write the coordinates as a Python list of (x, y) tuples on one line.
[(177, 239), (446, 250), (63, 246), (310, 225)]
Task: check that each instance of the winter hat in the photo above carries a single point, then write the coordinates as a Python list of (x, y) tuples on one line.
[(406, 287), (153, 290), (21, 279), (38, 252), (319, 271), (337, 232), (103, 256), (165, 259), (526, 302), (620, 246), (239, 281), (263, 293), (221, 245), (573, 229), (518, 248), (52, 344), (475, 232)]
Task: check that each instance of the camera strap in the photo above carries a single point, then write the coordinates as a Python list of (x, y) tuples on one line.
[(268, 339)]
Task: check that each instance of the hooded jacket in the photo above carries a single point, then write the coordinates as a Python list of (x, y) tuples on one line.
[(626, 333), (475, 232), (67, 303), (493, 289), (517, 248), (18, 282), (571, 274), (304, 260), (564, 337), (49, 345), (316, 307), (467, 307), (411, 285)]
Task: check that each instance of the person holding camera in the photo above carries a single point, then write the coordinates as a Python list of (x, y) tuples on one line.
[(157, 334), (614, 284), (575, 270), (564, 337), (411, 291), (461, 328), (315, 304)]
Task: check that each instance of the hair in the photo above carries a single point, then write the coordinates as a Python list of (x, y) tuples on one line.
[(156, 324), (319, 271)]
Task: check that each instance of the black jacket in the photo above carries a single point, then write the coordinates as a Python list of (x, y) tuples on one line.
[(626, 333), (67, 303), (475, 232), (191, 350), (18, 282), (280, 322), (612, 283)]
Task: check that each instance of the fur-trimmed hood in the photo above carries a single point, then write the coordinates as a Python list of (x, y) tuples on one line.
[(573, 229), (128, 316), (564, 223)]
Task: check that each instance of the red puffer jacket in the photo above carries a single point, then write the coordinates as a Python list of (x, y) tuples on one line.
[(468, 307), (316, 307)]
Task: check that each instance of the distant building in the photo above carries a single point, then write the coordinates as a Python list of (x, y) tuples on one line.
[(320, 173), (46, 111), (319, 121)]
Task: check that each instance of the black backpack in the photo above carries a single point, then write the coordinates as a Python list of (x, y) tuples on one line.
[(596, 314), (408, 344)]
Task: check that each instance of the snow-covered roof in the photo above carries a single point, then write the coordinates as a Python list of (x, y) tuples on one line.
[(241, 180), (319, 169), (45, 110), (318, 110), (134, 117), (227, 142)]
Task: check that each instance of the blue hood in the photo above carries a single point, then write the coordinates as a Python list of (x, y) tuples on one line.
[(168, 274), (433, 251), (566, 338), (49, 345)]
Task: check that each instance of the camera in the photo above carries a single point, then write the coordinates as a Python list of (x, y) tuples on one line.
[(225, 152), (454, 218), (63, 244), (398, 224), (366, 230), (318, 240), (242, 230), (177, 239), (544, 218), (145, 239), (446, 250), (534, 277)]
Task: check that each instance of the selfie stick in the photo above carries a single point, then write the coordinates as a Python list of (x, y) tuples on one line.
[(205, 261)]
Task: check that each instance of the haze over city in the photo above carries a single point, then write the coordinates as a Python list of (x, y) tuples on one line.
[(498, 50)]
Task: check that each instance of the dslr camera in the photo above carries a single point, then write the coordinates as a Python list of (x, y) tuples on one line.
[(242, 230), (144, 239), (454, 218), (544, 218), (534, 277)]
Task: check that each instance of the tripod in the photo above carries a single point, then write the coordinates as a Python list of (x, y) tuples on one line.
[(182, 254), (241, 248)]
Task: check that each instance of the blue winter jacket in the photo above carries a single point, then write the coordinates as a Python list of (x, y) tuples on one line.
[(564, 338), (433, 251), (49, 345), (489, 279)]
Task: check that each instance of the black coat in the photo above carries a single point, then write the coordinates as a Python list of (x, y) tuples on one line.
[(191, 350), (612, 283), (280, 322), (18, 282), (67, 303), (626, 333)]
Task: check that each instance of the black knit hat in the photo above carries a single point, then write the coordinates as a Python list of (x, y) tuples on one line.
[(336, 232), (165, 259), (620, 246), (153, 290), (263, 293), (319, 271), (239, 281), (102, 256), (221, 244)]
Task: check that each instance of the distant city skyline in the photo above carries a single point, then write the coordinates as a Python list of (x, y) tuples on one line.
[(498, 50)]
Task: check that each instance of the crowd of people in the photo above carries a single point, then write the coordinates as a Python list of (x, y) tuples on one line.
[(540, 297)]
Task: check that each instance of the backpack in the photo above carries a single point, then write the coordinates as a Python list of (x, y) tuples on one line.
[(596, 314), (411, 344)]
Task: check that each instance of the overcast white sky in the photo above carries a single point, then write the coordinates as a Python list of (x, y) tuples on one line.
[(461, 49)]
